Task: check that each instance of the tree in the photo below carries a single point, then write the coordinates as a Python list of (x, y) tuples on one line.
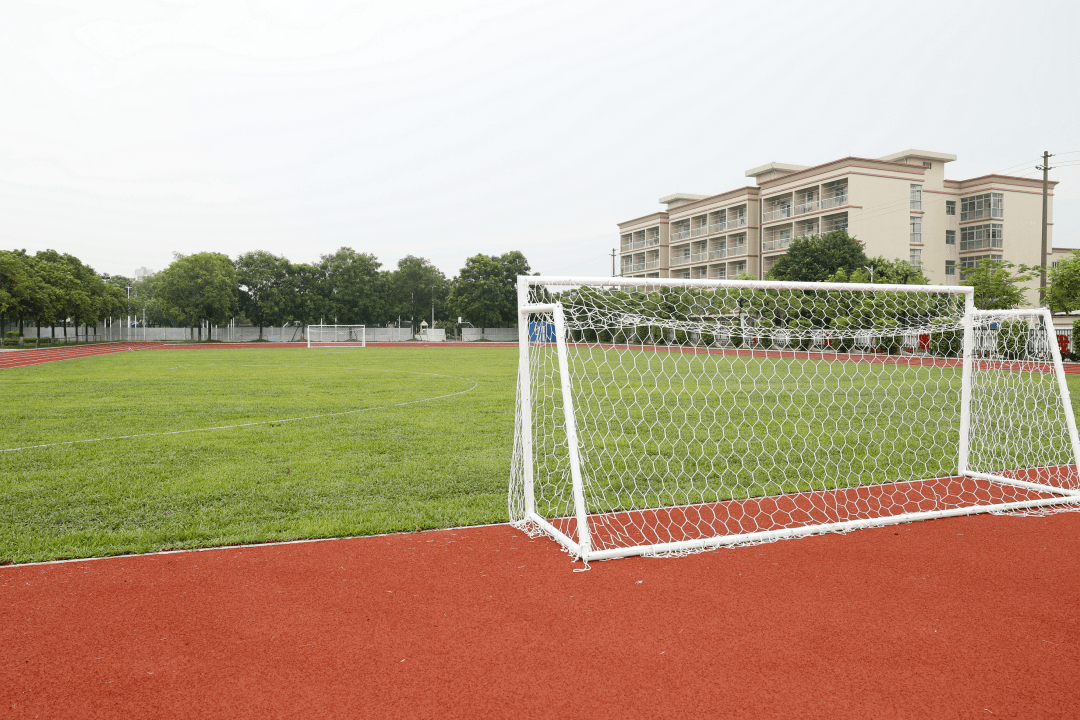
[(1063, 285), (414, 287), (888, 272), (111, 302), (485, 292), (352, 290), (303, 301), (995, 283), (263, 288), (80, 305), (817, 258), (200, 287), (54, 290), (15, 286)]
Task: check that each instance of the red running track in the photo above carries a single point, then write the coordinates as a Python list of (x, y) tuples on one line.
[(964, 617), (23, 358)]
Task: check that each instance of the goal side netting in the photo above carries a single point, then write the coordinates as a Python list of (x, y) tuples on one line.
[(336, 335), (667, 416)]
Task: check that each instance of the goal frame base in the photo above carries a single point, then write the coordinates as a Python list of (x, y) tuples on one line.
[(344, 343), (1066, 497)]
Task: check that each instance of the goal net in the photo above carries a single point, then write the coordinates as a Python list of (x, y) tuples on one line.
[(336, 335), (666, 416)]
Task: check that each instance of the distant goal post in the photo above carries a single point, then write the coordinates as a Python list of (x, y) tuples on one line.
[(669, 416), (336, 336)]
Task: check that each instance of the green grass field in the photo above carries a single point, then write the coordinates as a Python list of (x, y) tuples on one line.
[(390, 467), (421, 437)]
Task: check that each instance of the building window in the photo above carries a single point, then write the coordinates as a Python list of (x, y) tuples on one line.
[(950, 237), (987, 205), (916, 197), (950, 267), (981, 237), (950, 207), (652, 237), (927, 163), (972, 261), (916, 230), (915, 258), (738, 268)]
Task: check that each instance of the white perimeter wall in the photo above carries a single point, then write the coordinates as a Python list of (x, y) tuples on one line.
[(490, 334)]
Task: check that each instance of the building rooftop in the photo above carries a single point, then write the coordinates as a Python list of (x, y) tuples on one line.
[(674, 201), (921, 154), (774, 167)]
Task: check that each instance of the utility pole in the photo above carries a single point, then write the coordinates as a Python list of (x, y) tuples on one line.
[(433, 310), (612, 262), (1045, 167)]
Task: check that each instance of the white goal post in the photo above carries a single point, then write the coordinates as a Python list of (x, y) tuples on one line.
[(336, 336), (668, 416)]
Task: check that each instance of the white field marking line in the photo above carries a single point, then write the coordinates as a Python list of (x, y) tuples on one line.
[(249, 546), (475, 384)]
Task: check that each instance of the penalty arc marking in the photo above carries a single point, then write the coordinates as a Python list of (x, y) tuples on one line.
[(475, 384)]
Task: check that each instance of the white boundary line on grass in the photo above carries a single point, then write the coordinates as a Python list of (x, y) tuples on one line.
[(249, 546), (475, 384)]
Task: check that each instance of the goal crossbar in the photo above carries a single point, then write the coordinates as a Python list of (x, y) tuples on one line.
[(655, 416), (336, 335)]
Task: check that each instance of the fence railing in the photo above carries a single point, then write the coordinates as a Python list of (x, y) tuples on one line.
[(835, 201)]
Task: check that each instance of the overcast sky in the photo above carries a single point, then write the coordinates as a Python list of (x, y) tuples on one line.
[(133, 130)]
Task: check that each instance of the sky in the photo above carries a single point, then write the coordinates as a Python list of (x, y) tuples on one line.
[(130, 131)]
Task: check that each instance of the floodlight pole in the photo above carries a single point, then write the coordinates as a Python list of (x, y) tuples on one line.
[(128, 288), (871, 269)]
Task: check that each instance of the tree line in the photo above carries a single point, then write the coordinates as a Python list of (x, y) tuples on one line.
[(838, 257), (346, 287)]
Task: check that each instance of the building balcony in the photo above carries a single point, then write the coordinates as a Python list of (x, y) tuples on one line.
[(652, 264), (736, 250), (807, 207), (680, 234), (779, 213), (775, 244), (635, 267), (699, 231), (835, 201), (736, 223)]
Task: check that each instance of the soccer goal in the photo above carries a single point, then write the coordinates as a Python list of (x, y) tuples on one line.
[(667, 416), (336, 335)]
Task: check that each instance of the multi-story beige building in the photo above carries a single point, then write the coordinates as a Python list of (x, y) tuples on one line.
[(900, 206)]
